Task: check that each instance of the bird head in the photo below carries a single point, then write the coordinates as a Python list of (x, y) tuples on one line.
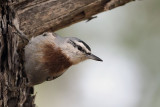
[(77, 50)]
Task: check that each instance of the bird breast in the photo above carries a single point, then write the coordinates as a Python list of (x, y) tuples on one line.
[(43, 59), (54, 59)]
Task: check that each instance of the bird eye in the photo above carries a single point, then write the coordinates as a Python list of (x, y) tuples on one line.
[(79, 48)]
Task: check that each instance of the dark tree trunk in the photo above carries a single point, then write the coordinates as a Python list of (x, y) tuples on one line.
[(35, 17), (13, 92)]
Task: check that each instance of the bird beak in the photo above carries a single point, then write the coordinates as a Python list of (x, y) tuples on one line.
[(91, 56)]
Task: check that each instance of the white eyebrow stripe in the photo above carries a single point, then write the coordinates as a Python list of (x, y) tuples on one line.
[(82, 45)]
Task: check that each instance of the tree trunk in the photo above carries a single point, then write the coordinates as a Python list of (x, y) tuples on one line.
[(13, 91), (35, 17)]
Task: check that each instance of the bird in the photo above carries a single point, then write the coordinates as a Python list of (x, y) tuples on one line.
[(48, 56)]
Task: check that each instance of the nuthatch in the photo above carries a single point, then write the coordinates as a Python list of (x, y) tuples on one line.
[(48, 56)]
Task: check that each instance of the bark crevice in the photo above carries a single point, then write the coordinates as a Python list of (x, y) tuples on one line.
[(13, 90)]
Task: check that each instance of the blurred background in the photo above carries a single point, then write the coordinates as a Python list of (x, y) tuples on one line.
[(128, 40)]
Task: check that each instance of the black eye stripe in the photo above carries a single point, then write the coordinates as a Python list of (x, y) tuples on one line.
[(85, 45), (81, 49), (77, 46)]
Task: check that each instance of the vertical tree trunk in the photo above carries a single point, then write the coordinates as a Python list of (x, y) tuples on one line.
[(13, 91)]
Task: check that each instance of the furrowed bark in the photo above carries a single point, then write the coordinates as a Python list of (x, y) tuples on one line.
[(13, 90), (38, 16)]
